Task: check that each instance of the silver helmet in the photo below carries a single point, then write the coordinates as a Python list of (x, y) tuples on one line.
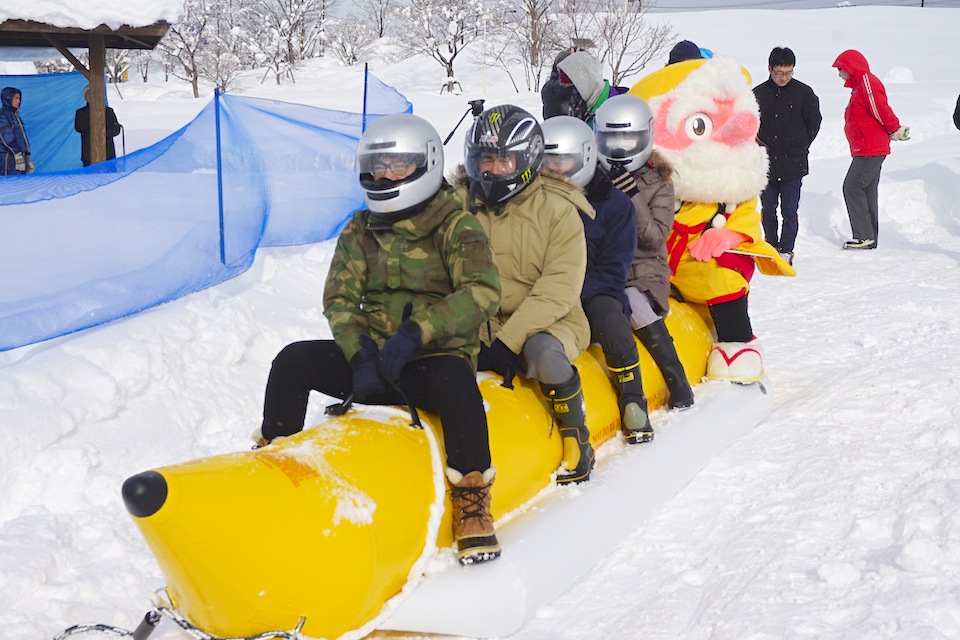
[(400, 161), (624, 129), (566, 139)]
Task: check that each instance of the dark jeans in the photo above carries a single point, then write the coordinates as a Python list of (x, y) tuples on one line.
[(787, 194), (610, 327), (443, 384), (861, 191)]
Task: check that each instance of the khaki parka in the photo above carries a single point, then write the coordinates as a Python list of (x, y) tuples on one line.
[(541, 253)]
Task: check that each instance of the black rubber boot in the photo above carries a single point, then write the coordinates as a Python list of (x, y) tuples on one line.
[(634, 419), (659, 344), (568, 410)]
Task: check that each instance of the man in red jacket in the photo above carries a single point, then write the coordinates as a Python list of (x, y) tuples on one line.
[(870, 125)]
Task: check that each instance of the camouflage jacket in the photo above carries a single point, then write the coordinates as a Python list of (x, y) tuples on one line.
[(439, 260)]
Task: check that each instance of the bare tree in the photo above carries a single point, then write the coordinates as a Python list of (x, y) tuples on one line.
[(352, 41), (537, 31), (573, 28), (117, 61), (142, 60), (184, 42), (626, 40), (440, 29), (377, 14)]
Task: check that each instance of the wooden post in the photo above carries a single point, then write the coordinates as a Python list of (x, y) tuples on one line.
[(98, 120)]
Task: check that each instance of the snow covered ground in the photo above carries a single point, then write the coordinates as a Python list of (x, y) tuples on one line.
[(838, 517)]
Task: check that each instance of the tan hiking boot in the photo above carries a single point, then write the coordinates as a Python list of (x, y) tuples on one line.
[(472, 522)]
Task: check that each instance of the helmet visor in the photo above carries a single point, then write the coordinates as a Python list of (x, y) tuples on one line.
[(566, 164), (622, 145), (397, 165)]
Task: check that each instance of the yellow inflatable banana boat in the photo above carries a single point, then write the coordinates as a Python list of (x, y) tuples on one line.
[(322, 528)]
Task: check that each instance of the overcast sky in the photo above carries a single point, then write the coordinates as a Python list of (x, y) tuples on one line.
[(697, 5)]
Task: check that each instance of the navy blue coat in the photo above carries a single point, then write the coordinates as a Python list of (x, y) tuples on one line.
[(13, 136), (611, 240)]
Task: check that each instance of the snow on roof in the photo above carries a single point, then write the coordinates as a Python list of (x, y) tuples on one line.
[(92, 13)]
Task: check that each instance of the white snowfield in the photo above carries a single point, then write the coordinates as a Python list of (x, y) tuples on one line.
[(837, 517)]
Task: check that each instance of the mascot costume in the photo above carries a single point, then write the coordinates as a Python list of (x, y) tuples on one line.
[(705, 124)]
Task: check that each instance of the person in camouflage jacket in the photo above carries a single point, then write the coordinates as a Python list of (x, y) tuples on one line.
[(409, 285)]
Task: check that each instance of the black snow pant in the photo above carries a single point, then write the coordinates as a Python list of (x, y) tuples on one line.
[(442, 384), (610, 328)]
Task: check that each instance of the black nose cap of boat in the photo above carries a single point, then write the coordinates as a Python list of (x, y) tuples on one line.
[(144, 493)]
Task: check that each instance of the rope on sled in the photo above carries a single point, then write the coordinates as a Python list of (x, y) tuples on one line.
[(152, 619)]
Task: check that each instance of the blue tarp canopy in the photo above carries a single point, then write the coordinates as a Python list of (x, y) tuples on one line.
[(48, 104), (82, 247)]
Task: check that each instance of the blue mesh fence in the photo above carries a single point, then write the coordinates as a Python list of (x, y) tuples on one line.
[(80, 248)]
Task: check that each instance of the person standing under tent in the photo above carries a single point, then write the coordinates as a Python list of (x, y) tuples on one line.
[(534, 227), (81, 124), (624, 130), (869, 124), (411, 280), (571, 151), (17, 159), (789, 122)]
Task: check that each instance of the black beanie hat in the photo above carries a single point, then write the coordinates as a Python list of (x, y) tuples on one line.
[(684, 50)]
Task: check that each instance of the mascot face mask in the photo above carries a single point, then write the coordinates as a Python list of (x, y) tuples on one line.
[(706, 121)]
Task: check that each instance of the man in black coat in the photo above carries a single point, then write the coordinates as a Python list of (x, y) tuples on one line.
[(789, 122), (81, 124)]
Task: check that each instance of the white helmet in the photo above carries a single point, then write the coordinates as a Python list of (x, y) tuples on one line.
[(399, 139), (570, 138), (624, 128)]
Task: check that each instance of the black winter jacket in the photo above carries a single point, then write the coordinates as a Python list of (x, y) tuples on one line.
[(81, 124), (789, 122), (956, 114)]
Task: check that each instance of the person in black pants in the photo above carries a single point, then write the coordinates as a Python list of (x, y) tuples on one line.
[(789, 122), (411, 280)]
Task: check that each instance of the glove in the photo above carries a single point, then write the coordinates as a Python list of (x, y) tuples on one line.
[(367, 381), (623, 180), (398, 349), (29, 164), (903, 133), (19, 162), (713, 243), (499, 358)]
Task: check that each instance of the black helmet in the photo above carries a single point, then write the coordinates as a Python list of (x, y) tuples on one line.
[(504, 131)]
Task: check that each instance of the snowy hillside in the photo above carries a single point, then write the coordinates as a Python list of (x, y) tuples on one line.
[(838, 517)]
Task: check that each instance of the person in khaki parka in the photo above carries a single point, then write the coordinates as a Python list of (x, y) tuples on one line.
[(411, 281), (534, 227)]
